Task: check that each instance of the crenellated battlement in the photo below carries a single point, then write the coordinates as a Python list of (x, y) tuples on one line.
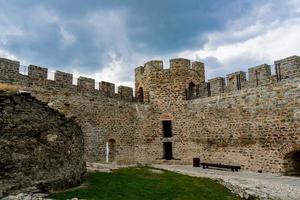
[(153, 66), (9, 69), (176, 65), (180, 74), (184, 71), (235, 80), (217, 85), (260, 75), (179, 64), (37, 73), (63, 78), (153, 76), (86, 84), (39, 76), (107, 88), (287, 67)]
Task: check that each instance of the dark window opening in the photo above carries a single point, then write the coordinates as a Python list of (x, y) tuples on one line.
[(168, 153), (191, 91), (167, 128), (192, 88), (140, 96)]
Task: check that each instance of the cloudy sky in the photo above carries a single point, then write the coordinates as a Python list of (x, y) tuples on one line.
[(107, 39)]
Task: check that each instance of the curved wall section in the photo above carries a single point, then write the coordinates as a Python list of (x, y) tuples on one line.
[(39, 147)]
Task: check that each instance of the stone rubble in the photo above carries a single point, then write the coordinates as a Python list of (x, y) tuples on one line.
[(27, 196), (30, 196)]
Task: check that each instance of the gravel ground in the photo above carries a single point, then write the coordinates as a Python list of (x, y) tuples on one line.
[(100, 167), (245, 183)]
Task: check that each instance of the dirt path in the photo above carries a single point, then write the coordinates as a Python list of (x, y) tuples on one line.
[(246, 183)]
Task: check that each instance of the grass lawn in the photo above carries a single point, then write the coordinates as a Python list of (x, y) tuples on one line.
[(144, 184)]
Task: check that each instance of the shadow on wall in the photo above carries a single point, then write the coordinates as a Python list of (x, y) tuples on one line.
[(140, 95), (292, 164)]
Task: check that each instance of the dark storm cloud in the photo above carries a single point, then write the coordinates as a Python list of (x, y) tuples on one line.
[(112, 37)]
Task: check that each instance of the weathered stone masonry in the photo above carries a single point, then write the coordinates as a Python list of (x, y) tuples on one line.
[(102, 114), (253, 123), (39, 147)]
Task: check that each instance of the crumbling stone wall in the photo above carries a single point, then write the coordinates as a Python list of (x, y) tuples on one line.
[(39, 147)]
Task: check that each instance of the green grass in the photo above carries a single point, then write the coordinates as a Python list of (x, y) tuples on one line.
[(142, 183)]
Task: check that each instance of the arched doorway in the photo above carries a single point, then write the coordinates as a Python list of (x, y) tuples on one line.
[(292, 164), (110, 150), (140, 96)]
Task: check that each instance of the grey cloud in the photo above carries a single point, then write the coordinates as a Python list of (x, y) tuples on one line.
[(115, 36)]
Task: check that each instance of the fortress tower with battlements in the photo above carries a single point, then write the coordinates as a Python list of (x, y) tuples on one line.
[(157, 83), (176, 115)]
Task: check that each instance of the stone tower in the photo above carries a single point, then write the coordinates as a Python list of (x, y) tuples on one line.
[(166, 91), (182, 80)]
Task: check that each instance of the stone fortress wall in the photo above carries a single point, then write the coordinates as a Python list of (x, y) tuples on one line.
[(164, 91), (253, 123), (10, 72), (106, 118)]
